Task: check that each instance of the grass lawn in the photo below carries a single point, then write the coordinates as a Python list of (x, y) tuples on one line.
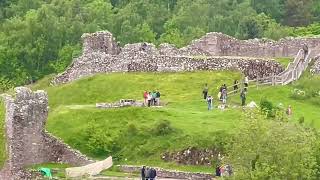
[(284, 61), (131, 135)]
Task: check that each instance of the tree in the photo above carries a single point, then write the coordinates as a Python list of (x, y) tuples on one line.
[(272, 149), (298, 12)]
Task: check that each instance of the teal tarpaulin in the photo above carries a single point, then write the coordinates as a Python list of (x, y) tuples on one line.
[(46, 172)]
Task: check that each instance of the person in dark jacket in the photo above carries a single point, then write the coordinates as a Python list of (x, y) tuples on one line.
[(205, 91), (153, 174), (143, 173), (148, 173)]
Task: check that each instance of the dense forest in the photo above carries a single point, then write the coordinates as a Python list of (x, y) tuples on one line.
[(40, 37)]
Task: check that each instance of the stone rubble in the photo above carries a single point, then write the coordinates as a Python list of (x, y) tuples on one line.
[(192, 156)]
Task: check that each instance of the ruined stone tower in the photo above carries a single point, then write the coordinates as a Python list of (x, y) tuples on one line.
[(27, 142)]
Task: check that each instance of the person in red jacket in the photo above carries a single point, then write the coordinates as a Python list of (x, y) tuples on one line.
[(145, 97)]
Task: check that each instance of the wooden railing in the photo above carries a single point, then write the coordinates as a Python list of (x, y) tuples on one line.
[(292, 73)]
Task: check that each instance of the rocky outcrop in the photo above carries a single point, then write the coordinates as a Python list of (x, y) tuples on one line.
[(101, 54), (27, 142), (192, 156)]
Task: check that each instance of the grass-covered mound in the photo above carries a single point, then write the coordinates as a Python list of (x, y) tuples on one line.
[(142, 135)]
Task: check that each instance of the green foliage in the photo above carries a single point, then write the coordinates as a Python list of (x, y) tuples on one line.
[(267, 108), (40, 37), (162, 128), (264, 149)]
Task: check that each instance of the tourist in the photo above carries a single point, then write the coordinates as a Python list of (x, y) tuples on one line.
[(153, 174), (289, 111), (224, 96), (246, 82), (158, 98), (205, 91), (235, 86), (305, 50), (148, 173), (143, 173), (218, 171), (149, 98), (209, 101), (145, 97), (243, 97), (153, 96)]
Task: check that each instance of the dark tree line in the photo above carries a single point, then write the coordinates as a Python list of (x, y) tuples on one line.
[(40, 37)]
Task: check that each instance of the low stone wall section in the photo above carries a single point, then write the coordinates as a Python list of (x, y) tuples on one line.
[(27, 142), (219, 44), (170, 174), (83, 67)]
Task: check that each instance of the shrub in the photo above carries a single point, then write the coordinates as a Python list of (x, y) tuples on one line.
[(301, 120), (267, 107), (162, 128)]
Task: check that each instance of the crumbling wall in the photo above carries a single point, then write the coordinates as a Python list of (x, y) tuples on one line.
[(27, 142), (315, 69), (218, 44), (101, 54)]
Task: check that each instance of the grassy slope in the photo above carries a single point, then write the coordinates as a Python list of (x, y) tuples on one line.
[(186, 111), (195, 126)]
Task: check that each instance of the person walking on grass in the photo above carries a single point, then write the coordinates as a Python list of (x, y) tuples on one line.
[(235, 86), (243, 96), (205, 91), (210, 102), (154, 96), (145, 97), (149, 98), (224, 96), (158, 98), (246, 82)]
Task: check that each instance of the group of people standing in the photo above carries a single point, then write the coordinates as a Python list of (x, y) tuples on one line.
[(148, 173), (151, 98), (223, 93)]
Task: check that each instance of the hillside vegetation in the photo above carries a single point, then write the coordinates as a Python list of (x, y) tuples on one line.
[(141, 135)]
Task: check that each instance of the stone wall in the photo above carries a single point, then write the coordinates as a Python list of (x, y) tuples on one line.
[(214, 51), (27, 142), (315, 69), (163, 173), (218, 44)]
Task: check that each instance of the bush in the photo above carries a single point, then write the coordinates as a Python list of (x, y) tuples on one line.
[(267, 107), (301, 120), (162, 128)]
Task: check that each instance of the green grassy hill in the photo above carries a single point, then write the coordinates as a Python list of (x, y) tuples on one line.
[(142, 135)]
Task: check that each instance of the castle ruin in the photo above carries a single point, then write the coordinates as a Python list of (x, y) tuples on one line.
[(27, 142), (214, 51)]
